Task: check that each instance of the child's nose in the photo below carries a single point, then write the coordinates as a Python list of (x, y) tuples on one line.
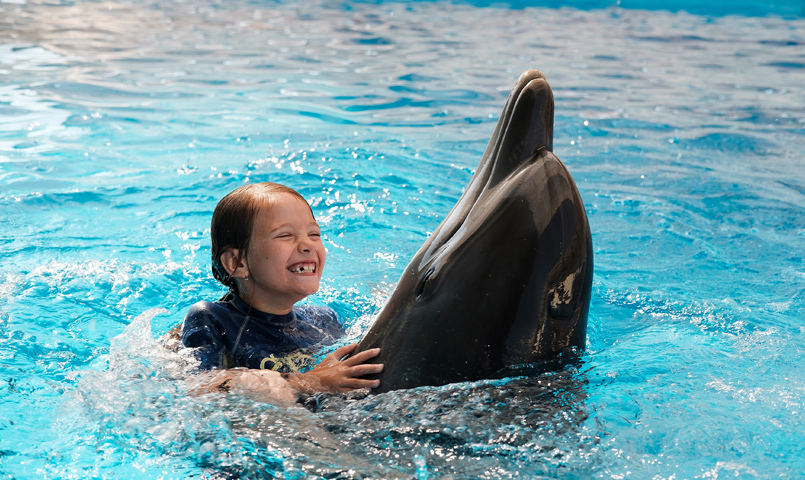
[(306, 244)]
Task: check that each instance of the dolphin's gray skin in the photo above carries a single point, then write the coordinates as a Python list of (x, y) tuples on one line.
[(505, 279)]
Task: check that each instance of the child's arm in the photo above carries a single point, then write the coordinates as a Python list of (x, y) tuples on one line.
[(335, 375), (266, 385), (331, 375)]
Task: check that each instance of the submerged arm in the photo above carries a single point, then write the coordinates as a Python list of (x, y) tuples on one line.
[(330, 375)]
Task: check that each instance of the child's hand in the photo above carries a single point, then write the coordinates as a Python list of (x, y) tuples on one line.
[(334, 375)]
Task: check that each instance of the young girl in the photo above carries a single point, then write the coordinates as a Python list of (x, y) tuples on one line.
[(267, 248)]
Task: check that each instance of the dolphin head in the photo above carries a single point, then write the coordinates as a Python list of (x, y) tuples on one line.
[(505, 279)]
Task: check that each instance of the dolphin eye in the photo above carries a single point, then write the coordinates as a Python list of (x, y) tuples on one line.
[(420, 289)]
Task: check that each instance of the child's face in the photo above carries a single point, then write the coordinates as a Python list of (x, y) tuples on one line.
[(285, 256)]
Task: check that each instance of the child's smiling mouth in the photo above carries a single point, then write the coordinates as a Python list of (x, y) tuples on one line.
[(304, 267)]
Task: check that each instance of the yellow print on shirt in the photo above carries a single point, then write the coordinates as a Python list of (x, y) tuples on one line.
[(292, 362)]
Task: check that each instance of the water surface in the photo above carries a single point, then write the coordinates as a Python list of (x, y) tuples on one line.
[(122, 124)]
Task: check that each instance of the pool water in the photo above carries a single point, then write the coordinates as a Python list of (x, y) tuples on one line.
[(122, 124)]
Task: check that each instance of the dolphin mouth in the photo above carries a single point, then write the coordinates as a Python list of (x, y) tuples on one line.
[(420, 288), (523, 132), (525, 127)]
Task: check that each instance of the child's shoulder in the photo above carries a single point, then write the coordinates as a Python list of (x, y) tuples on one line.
[(206, 309), (315, 311), (318, 315)]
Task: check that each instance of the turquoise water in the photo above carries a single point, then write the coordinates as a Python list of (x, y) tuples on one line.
[(122, 124)]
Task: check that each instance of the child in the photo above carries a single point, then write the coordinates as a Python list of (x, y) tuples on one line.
[(267, 248)]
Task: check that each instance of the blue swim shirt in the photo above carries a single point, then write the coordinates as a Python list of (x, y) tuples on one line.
[(229, 333)]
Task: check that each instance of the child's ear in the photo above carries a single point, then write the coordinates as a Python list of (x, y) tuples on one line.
[(234, 263)]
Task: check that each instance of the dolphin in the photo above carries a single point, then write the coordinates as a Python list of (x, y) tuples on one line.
[(505, 279)]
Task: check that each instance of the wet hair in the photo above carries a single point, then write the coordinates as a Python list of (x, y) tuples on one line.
[(233, 222)]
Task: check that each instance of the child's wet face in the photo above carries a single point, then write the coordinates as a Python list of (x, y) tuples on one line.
[(285, 256)]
